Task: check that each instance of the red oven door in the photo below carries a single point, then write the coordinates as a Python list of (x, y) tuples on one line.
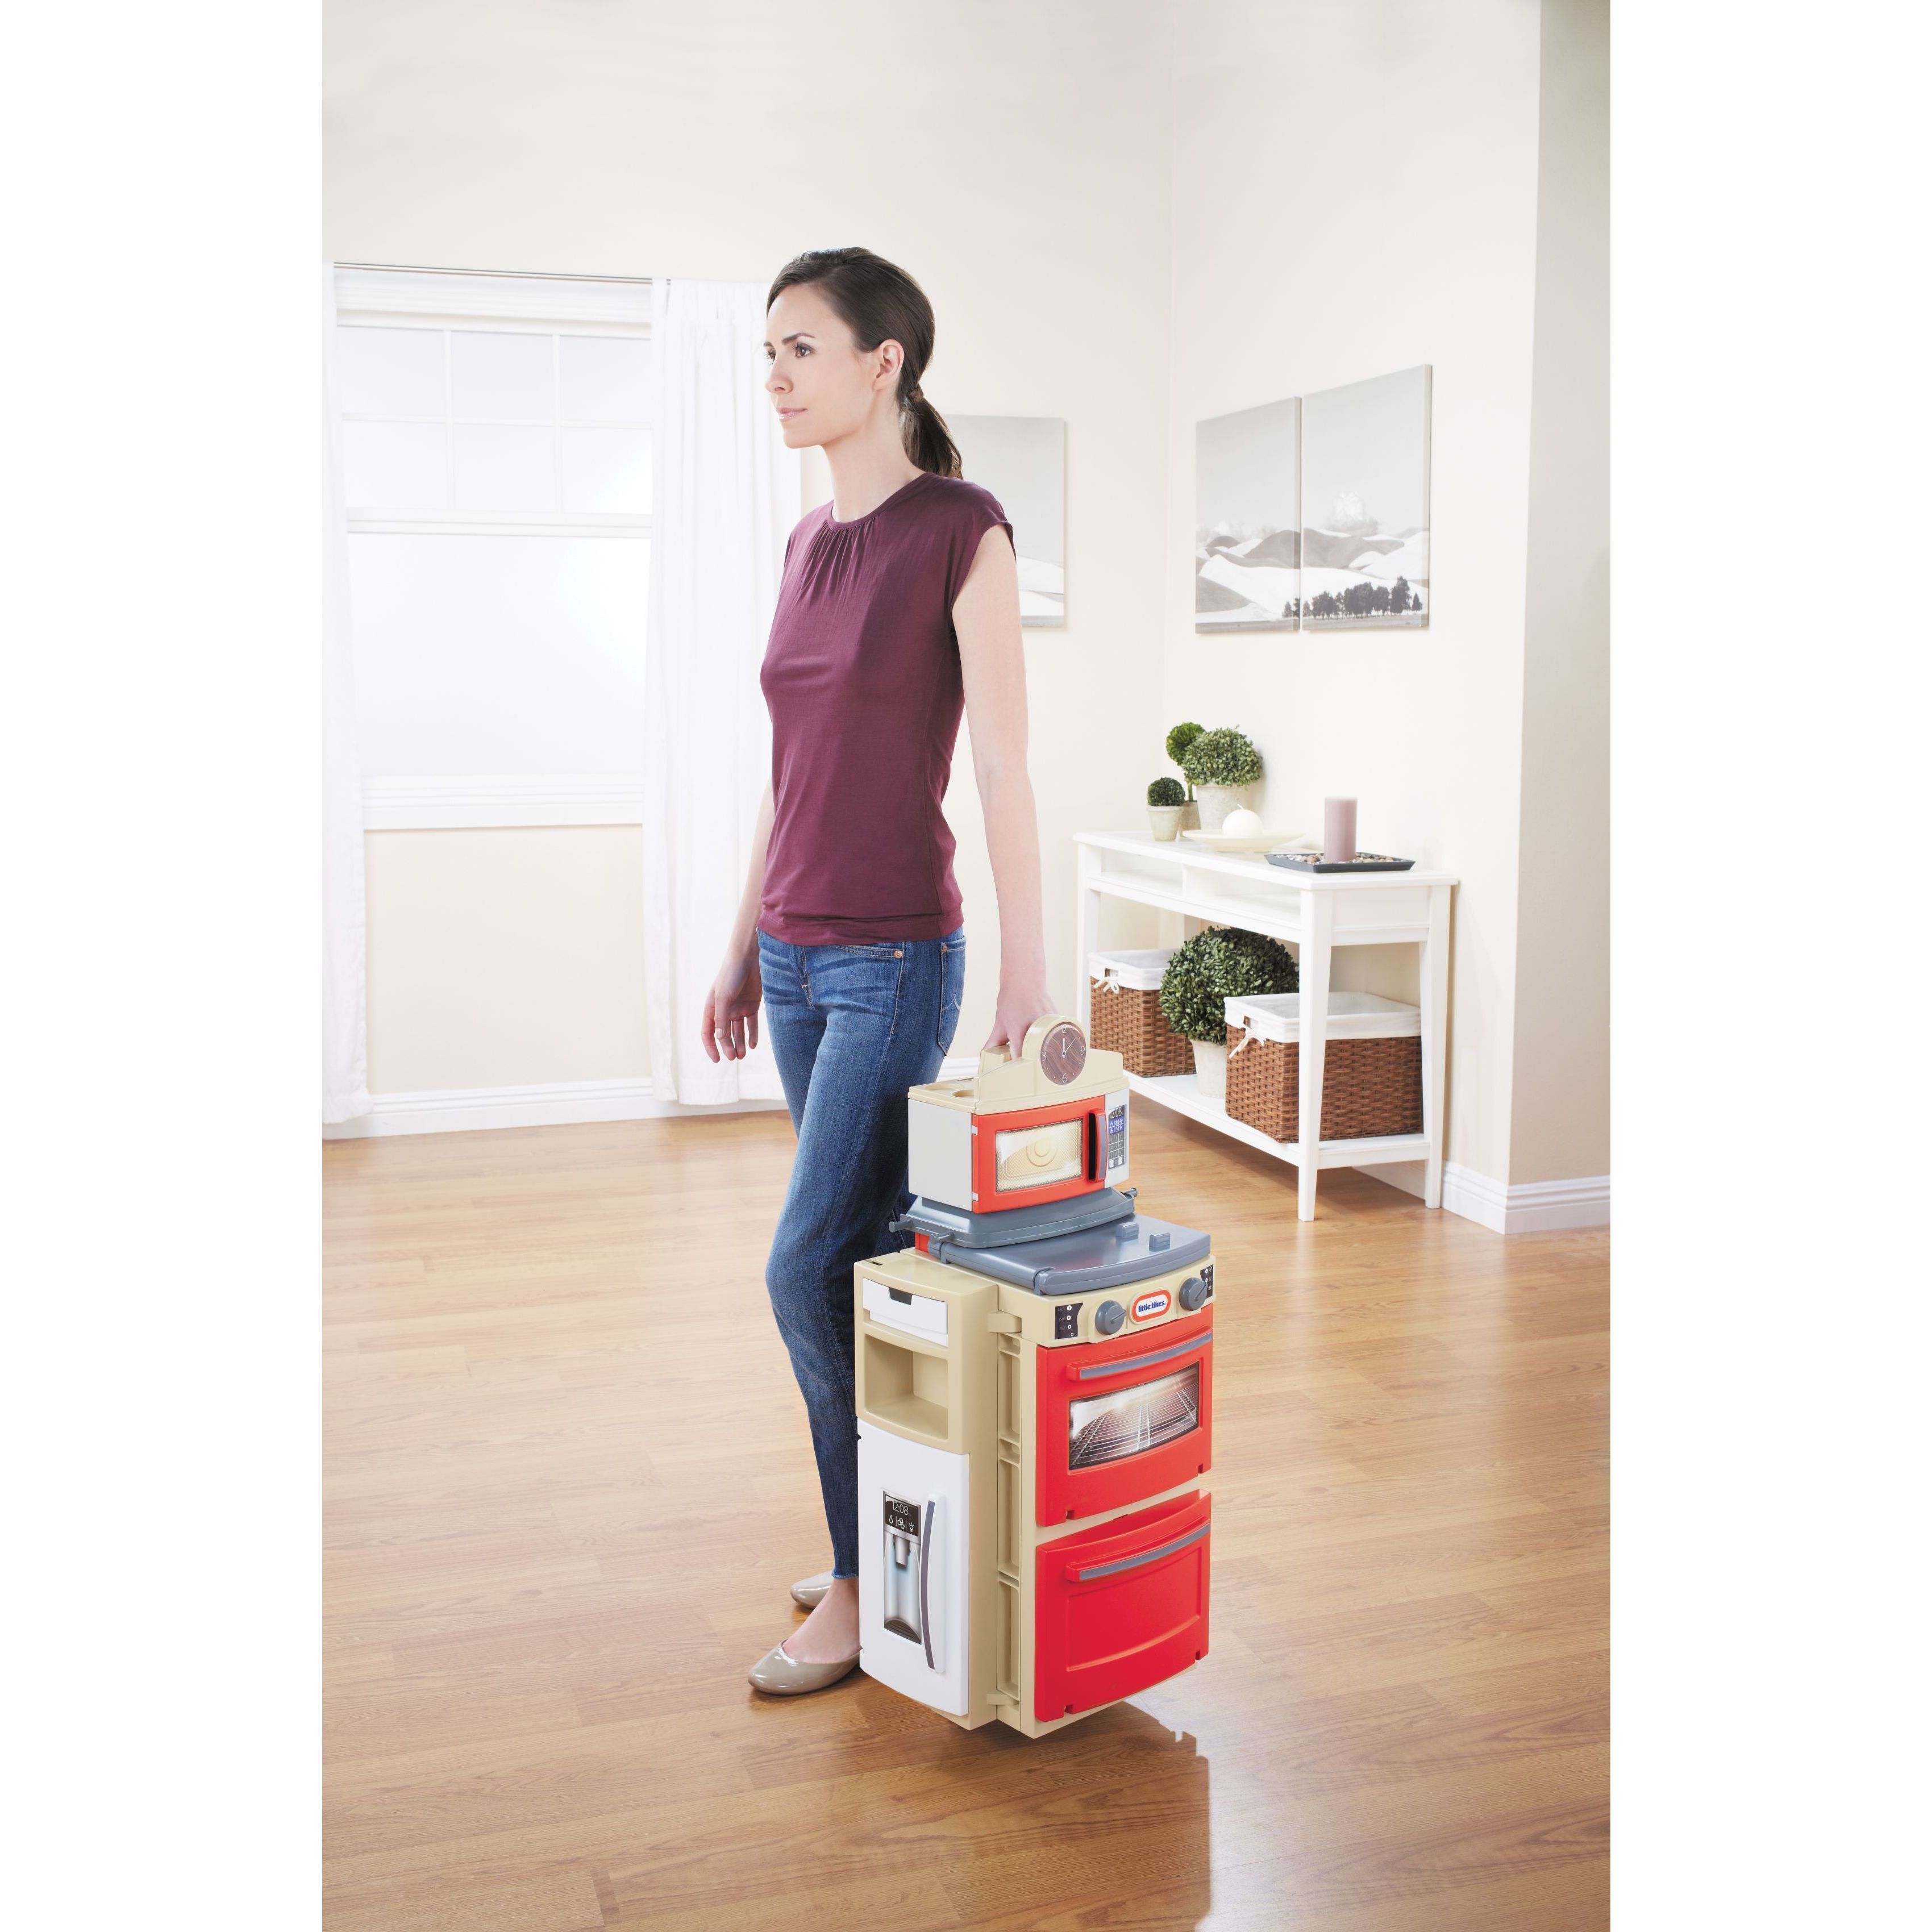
[(1121, 1608), (1125, 1418), (1039, 1154)]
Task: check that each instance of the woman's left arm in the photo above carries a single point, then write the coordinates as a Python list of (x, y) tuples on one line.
[(992, 664)]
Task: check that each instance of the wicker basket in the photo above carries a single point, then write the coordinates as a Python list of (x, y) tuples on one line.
[(1126, 1018), (1371, 1069)]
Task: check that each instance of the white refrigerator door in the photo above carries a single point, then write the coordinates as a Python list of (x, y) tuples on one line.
[(933, 1482)]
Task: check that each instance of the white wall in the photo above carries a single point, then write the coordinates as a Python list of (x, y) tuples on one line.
[(1560, 1116), (1013, 156), (1132, 216), (1355, 190), (505, 959)]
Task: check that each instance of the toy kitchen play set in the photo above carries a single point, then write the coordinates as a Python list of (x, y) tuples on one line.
[(1035, 1400)]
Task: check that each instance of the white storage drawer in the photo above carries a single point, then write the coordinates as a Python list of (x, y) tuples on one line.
[(916, 1314)]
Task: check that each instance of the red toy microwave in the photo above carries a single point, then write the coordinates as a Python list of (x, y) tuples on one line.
[(1042, 1128)]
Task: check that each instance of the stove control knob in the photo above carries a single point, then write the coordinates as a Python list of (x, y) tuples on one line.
[(1193, 1292), (1109, 1318)]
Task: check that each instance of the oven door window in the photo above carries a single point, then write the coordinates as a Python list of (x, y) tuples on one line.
[(1107, 1428), (1038, 1156)]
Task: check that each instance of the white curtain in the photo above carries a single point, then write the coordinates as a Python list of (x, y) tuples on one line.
[(345, 1054), (725, 496)]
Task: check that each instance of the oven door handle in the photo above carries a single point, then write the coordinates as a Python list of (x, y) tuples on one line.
[(1093, 1119), (925, 1575), (1133, 1362), (1076, 1573)]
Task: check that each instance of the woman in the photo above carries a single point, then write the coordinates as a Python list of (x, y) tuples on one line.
[(900, 598)]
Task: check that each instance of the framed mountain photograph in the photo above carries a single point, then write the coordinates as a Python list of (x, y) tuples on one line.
[(1365, 505), (1022, 460), (1247, 518)]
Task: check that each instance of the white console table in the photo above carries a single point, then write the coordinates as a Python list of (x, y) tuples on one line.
[(1316, 912)]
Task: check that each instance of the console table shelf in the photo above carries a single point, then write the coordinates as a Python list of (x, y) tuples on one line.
[(1315, 912)]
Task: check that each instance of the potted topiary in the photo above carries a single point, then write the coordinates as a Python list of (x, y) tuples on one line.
[(1178, 740), (1223, 963), (1166, 802), (1221, 766)]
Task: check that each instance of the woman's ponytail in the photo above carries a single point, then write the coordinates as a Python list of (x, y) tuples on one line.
[(927, 441), (879, 303)]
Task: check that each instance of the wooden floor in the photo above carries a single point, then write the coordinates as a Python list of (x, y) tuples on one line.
[(568, 1481)]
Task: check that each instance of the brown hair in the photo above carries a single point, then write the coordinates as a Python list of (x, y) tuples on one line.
[(879, 302)]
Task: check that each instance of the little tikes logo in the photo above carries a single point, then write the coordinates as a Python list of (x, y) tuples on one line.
[(1151, 1305)]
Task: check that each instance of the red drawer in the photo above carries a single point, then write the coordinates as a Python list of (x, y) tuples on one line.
[(1125, 1418), (1121, 1608)]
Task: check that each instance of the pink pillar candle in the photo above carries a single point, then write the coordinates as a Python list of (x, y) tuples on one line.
[(1338, 828)]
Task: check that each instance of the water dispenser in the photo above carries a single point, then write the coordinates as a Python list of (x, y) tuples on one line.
[(904, 1571)]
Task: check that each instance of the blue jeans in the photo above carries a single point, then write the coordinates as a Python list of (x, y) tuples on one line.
[(851, 1028)]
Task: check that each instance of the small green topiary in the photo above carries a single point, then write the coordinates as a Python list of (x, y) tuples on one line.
[(1166, 791), (1178, 740), (1221, 758), (1223, 963)]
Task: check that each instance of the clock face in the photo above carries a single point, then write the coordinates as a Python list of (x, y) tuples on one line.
[(1063, 1053)]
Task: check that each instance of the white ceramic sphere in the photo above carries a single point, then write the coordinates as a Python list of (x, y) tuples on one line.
[(1242, 823)]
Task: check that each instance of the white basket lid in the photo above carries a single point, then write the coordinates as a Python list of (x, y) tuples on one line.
[(1137, 972), (1351, 1016)]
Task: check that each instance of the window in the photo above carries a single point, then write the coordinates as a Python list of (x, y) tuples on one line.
[(496, 460)]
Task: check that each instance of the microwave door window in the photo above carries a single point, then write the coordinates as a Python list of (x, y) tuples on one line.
[(1038, 1156), (1107, 1428)]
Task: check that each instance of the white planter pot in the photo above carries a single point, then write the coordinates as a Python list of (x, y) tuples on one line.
[(1216, 801), (1190, 816), (1165, 820), (1211, 1070)]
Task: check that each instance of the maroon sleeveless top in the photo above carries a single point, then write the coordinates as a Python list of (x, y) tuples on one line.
[(861, 678)]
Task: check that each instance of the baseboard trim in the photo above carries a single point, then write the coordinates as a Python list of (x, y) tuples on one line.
[(1530, 1207), (552, 1104), (560, 1103)]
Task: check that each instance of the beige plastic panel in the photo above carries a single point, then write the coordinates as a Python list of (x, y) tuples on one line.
[(1004, 1085), (939, 1150)]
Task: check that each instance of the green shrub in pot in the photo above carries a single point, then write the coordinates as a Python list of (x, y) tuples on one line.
[(1221, 757), (1178, 740), (1220, 765), (1223, 963), (1167, 804)]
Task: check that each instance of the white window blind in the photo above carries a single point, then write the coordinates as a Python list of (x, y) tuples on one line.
[(496, 461)]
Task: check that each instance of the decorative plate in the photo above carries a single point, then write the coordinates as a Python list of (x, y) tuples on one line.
[(1256, 841)]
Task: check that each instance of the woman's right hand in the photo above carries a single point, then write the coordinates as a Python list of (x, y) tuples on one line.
[(731, 1006)]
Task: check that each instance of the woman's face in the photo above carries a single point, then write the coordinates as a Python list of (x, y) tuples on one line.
[(824, 385)]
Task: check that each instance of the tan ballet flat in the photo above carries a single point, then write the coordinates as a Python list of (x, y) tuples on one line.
[(808, 1591), (777, 1674)]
